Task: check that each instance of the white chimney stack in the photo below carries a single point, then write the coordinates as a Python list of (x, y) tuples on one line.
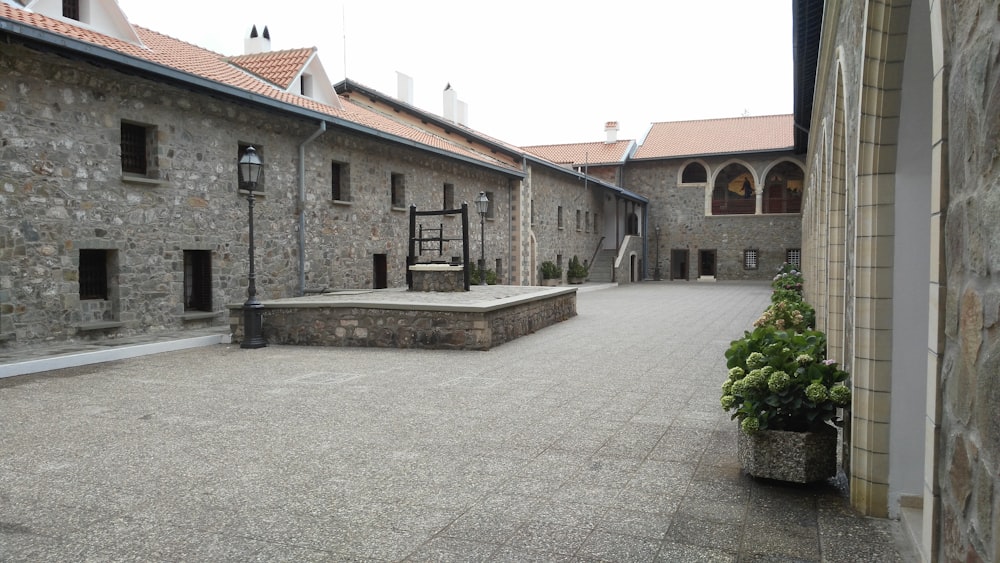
[(611, 129), (463, 113), (404, 88), (450, 103), (255, 43)]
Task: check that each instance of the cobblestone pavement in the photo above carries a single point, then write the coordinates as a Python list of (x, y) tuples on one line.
[(597, 439)]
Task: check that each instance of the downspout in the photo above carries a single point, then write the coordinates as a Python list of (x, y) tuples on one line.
[(300, 206)]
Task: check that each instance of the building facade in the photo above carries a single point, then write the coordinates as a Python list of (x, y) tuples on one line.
[(901, 102)]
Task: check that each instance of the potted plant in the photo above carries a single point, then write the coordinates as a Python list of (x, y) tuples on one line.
[(576, 272), (785, 394), (784, 391), (551, 274)]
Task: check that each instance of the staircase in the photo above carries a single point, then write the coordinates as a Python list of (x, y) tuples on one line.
[(600, 270)]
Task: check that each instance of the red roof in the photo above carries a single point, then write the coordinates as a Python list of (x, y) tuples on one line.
[(191, 59), (277, 67), (718, 136), (584, 153)]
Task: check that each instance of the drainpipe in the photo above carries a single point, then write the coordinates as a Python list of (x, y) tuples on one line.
[(301, 206)]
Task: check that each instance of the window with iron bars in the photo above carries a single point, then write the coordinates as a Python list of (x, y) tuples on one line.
[(750, 259)]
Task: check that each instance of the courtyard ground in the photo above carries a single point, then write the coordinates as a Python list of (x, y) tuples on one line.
[(599, 438)]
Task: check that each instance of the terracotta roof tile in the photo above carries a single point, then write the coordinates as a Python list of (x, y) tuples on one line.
[(277, 67), (191, 59), (717, 136), (596, 153)]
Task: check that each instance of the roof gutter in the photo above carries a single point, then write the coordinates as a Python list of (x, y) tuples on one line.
[(300, 206), (191, 81)]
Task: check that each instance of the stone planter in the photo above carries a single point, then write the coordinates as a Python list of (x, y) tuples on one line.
[(797, 457), (550, 282), (575, 280)]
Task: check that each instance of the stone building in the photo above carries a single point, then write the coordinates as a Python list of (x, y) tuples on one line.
[(724, 194), (123, 211), (898, 104)]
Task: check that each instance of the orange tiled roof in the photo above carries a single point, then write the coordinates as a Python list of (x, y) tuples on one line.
[(583, 153), (717, 136), (191, 59), (278, 67)]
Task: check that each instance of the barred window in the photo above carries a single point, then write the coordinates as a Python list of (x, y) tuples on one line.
[(794, 257), (137, 148), (93, 274), (449, 196), (750, 259)]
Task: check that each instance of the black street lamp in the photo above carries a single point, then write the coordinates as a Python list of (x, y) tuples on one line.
[(483, 206), (253, 310)]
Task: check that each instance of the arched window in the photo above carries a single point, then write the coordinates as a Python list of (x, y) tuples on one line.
[(733, 193), (783, 189), (694, 173)]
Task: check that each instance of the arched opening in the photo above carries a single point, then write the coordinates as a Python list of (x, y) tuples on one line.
[(734, 191), (694, 173), (783, 188)]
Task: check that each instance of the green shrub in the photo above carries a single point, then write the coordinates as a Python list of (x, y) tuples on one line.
[(782, 380), (576, 269), (550, 271)]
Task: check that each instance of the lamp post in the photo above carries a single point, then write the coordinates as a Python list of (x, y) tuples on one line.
[(253, 310), (483, 206), (656, 271)]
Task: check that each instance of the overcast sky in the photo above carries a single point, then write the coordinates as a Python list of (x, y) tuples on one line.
[(531, 72)]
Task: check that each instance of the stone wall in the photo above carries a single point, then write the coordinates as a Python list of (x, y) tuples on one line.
[(62, 190), (969, 460), (551, 190), (451, 328), (680, 212)]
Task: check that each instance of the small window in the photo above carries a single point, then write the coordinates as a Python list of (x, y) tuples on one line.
[(579, 221), (559, 260), (750, 259), (532, 204), (559, 217), (794, 257), (137, 145), (397, 188), (586, 221), (93, 274), (71, 9), (242, 149), (694, 173), (197, 280), (306, 85), (449, 196), (499, 268), (491, 211), (340, 181)]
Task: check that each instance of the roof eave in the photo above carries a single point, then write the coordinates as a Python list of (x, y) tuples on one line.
[(590, 179), (708, 154), (191, 81)]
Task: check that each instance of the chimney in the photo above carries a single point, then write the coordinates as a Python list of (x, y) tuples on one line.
[(611, 129), (450, 103), (255, 43), (463, 113), (404, 88)]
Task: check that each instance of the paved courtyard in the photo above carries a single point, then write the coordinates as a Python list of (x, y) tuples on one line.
[(597, 439)]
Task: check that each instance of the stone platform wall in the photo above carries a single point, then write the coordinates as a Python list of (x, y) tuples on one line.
[(462, 328)]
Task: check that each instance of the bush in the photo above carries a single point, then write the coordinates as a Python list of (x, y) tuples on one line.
[(782, 380), (550, 271), (491, 276), (792, 314), (576, 269)]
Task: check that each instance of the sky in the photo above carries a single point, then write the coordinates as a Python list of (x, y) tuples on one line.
[(531, 72)]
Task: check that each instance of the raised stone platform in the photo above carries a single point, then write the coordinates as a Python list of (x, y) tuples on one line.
[(479, 319)]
